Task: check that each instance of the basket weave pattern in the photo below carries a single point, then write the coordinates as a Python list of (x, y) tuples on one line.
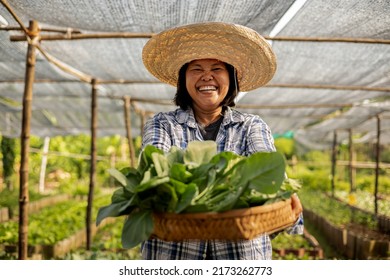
[(230, 225)]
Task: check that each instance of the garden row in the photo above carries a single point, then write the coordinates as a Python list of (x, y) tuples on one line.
[(53, 231), (8, 213), (353, 233), (384, 205), (304, 246)]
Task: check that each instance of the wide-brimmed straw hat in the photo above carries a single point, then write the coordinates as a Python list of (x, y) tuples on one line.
[(165, 53)]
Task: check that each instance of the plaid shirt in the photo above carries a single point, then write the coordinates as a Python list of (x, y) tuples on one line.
[(241, 133)]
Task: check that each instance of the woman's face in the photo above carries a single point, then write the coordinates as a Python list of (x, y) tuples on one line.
[(207, 82)]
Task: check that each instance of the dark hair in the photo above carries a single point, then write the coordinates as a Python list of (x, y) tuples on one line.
[(184, 100)]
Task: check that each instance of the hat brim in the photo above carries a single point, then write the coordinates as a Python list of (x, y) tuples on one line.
[(165, 53)]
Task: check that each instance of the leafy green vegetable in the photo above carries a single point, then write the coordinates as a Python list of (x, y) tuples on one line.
[(197, 179)]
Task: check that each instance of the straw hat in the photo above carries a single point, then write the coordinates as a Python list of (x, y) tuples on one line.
[(165, 53)]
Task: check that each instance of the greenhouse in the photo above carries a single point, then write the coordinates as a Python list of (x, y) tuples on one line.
[(75, 97)]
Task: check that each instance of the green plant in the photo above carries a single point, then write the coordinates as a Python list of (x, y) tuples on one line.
[(285, 146), (9, 155), (52, 224)]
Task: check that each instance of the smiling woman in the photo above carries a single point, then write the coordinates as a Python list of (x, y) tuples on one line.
[(209, 63)]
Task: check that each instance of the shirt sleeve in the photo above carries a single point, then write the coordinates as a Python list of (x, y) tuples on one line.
[(259, 137), (156, 133)]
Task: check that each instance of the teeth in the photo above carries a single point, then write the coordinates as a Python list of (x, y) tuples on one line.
[(206, 88)]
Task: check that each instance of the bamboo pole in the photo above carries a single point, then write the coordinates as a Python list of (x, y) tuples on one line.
[(92, 163), (378, 135), (329, 40), (351, 163), (43, 29), (335, 87), (72, 36), (127, 109), (25, 143), (334, 159), (86, 78), (113, 35)]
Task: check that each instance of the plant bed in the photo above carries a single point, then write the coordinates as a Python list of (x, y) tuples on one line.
[(10, 212), (59, 249), (54, 230), (106, 245), (304, 246), (383, 220), (351, 240)]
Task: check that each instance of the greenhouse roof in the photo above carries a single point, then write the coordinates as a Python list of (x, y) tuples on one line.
[(333, 64)]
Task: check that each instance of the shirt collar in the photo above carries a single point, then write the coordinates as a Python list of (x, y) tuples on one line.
[(187, 116)]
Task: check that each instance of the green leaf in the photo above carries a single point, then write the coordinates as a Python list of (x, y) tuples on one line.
[(186, 198), (265, 172), (146, 158), (112, 210), (133, 178), (224, 161), (161, 164), (199, 152), (151, 183), (180, 187), (201, 175), (118, 196), (175, 155), (118, 176), (166, 195), (179, 172), (138, 227)]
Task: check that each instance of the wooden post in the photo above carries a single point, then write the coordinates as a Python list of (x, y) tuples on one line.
[(25, 141), (378, 135), (92, 174), (351, 163), (127, 109), (334, 159)]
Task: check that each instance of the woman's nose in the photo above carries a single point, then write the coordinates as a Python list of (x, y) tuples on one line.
[(207, 76)]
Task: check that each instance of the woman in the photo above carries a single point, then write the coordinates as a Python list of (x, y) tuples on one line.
[(209, 63)]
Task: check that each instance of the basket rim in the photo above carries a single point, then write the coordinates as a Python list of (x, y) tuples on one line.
[(230, 213)]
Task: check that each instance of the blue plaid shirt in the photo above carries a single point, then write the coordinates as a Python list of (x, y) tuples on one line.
[(241, 133)]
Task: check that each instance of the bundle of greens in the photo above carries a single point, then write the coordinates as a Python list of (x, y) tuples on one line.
[(197, 179)]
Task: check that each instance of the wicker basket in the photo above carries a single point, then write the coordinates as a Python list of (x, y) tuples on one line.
[(230, 225)]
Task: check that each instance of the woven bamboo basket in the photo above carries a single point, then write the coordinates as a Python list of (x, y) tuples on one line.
[(230, 225)]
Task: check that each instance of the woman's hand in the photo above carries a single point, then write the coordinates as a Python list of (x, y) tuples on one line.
[(296, 205)]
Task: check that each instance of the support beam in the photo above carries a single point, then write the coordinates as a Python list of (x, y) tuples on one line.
[(334, 159), (92, 173), (352, 170), (127, 35), (378, 136), (25, 143)]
